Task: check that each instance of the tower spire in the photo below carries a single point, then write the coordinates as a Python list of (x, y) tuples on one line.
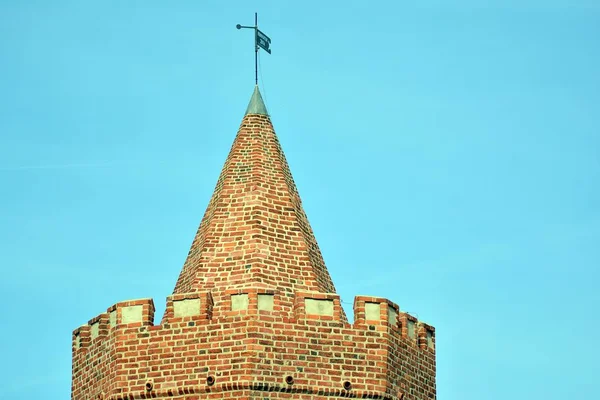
[(254, 232)]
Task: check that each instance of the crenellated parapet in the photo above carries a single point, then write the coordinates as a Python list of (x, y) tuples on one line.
[(256, 344)]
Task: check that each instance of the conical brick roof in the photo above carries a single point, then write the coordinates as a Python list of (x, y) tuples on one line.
[(254, 232)]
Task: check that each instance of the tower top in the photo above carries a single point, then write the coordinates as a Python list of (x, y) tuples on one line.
[(254, 313), (256, 105)]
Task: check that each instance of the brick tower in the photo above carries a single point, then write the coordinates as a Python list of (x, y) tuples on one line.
[(254, 313)]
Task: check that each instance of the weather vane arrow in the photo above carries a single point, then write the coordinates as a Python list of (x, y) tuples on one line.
[(260, 41)]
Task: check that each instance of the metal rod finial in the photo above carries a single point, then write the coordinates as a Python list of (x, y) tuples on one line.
[(260, 41)]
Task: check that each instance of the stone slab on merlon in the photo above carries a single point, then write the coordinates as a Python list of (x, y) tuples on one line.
[(95, 329), (265, 302), (239, 302), (372, 311), (186, 307), (392, 315), (131, 314), (318, 307)]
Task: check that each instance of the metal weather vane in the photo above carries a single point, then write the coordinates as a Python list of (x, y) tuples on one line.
[(260, 41)]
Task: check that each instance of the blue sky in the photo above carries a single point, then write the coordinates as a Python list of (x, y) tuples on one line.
[(447, 154)]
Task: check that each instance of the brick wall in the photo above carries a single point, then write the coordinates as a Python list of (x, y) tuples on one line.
[(250, 351)]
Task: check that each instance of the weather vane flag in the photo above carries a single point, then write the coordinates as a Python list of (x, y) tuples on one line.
[(260, 41)]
